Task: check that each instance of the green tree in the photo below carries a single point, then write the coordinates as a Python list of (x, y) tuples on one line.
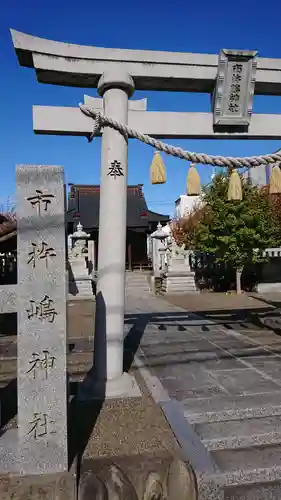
[(236, 232)]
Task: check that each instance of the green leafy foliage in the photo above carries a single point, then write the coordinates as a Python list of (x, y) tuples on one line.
[(236, 232)]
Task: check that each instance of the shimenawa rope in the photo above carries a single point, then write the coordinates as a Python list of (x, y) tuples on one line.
[(101, 120)]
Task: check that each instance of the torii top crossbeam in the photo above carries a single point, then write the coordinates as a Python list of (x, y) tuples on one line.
[(81, 66), (231, 116)]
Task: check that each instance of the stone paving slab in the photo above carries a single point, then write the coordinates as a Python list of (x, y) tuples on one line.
[(239, 382), (222, 301), (224, 371)]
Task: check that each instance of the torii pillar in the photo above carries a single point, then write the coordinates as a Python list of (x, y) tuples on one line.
[(110, 297)]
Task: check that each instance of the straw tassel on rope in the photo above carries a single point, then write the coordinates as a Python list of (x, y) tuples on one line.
[(193, 186), (157, 170), (275, 180), (234, 186)]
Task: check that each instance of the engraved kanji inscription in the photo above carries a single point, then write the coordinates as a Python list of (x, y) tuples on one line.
[(238, 68), (40, 200), (115, 169), (40, 425), (40, 252), (236, 77), (233, 108), (41, 364), (43, 311), (235, 89)]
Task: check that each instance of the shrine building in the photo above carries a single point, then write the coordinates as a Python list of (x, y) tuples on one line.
[(83, 206)]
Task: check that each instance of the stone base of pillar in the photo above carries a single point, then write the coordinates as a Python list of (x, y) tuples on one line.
[(122, 387)]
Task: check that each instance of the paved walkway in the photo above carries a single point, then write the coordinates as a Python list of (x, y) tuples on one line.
[(216, 373), (220, 390), (208, 301)]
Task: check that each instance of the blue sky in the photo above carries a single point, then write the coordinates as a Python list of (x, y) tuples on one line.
[(180, 25)]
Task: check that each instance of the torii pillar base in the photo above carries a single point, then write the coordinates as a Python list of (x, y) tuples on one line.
[(122, 387)]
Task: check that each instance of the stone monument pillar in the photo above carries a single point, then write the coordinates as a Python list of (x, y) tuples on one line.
[(41, 306), (110, 294)]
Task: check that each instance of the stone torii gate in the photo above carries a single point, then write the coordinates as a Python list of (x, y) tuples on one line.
[(231, 78)]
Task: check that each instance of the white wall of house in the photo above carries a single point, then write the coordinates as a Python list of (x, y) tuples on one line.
[(185, 204)]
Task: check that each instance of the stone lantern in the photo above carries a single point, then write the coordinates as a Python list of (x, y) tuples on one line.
[(159, 250), (79, 242), (80, 280)]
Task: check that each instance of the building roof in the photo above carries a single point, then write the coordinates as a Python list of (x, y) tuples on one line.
[(83, 205), (8, 228)]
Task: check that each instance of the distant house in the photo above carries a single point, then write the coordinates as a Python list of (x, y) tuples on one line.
[(260, 176), (185, 204)]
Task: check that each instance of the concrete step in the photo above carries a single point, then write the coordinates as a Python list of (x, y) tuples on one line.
[(256, 491), (136, 278), (179, 280), (233, 433), (224, 408), (141, 286), (243, 441), (137, 289), (135, 275), (136, 283), (179, 284), (246, 459)]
